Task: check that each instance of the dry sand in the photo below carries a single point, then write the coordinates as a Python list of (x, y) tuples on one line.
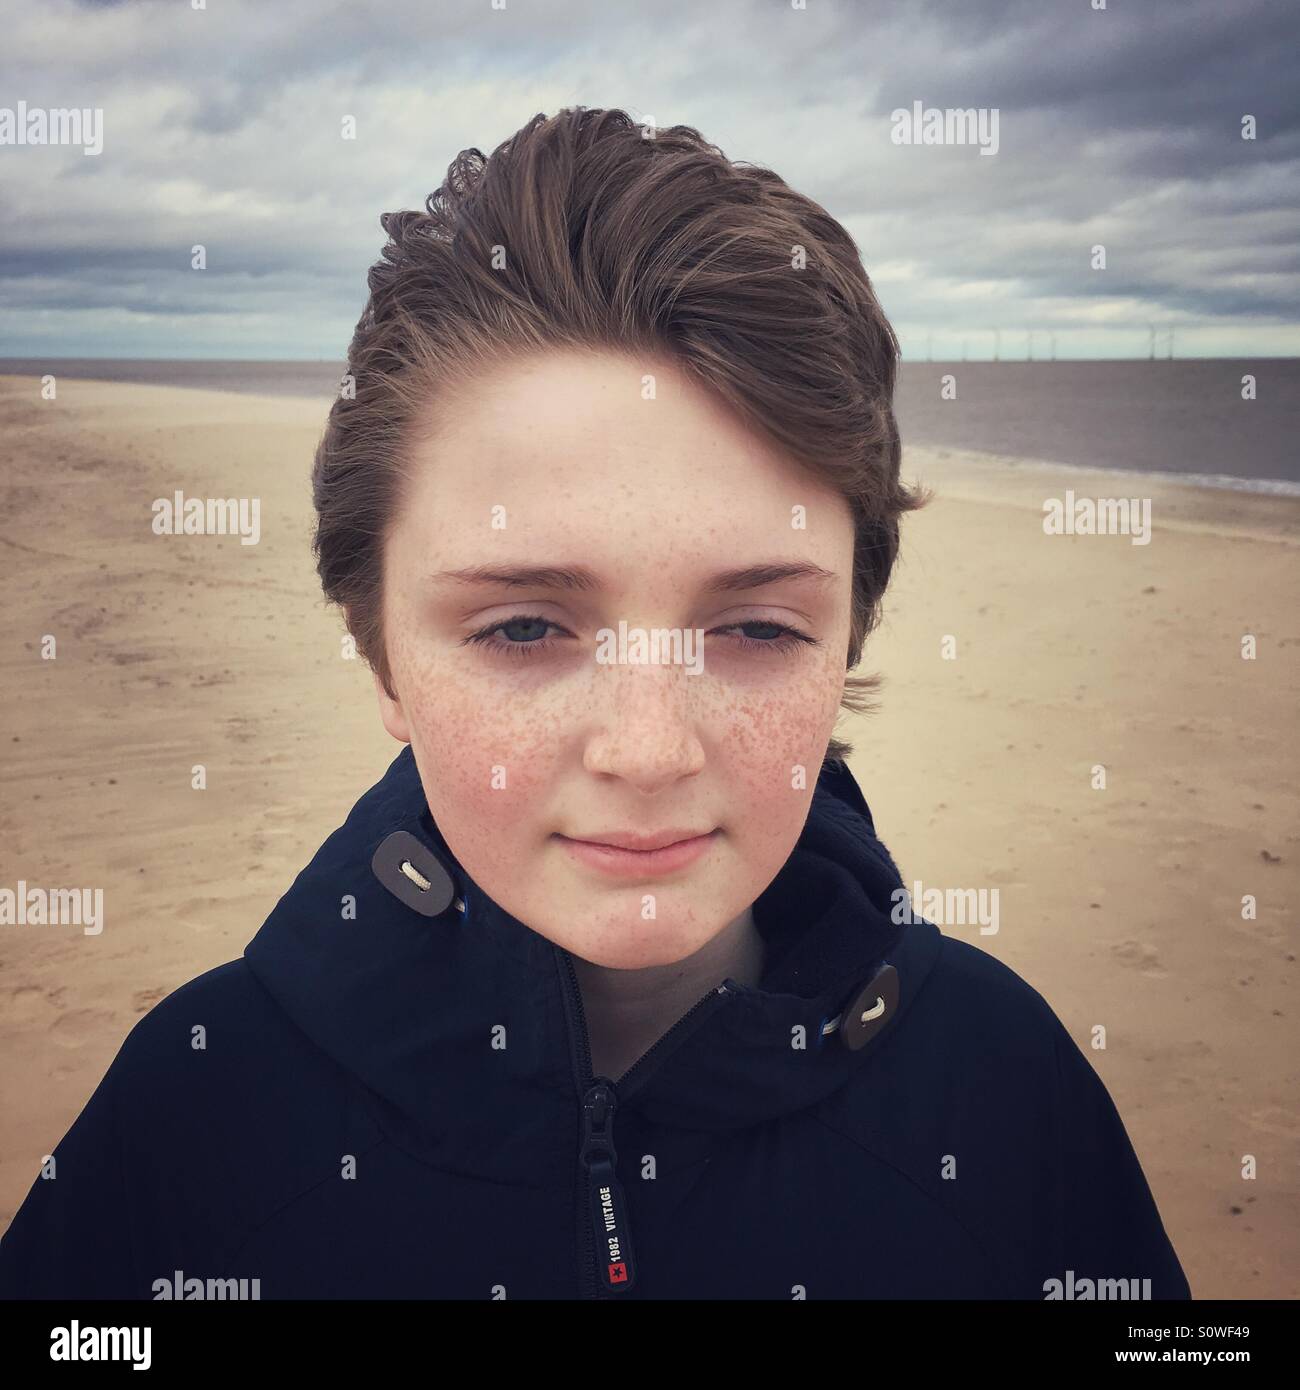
[(1121, 906)]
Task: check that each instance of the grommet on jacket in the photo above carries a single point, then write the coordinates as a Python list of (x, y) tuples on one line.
[(872, 1008), (411, 871)]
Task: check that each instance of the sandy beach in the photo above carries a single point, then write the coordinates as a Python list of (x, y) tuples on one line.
[(1122, 905)]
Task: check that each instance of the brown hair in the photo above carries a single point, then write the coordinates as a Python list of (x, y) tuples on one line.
[(587, 231)]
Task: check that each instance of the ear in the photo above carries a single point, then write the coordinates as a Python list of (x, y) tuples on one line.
[(390, 711)]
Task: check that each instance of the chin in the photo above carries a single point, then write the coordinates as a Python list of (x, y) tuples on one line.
[(636, 955)]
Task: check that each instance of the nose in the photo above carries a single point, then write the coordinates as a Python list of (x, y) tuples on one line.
[(645, 730)]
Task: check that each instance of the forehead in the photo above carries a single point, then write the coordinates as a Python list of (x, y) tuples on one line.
[(567, 443)]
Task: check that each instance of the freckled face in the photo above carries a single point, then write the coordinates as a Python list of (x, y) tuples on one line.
[(528, 730)]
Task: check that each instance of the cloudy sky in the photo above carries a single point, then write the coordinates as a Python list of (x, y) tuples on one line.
[(222, 125)]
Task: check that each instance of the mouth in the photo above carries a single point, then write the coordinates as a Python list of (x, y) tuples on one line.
[(628, 855), (638, 840)]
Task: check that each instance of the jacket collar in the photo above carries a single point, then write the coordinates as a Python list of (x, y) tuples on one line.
[(422, 1011)]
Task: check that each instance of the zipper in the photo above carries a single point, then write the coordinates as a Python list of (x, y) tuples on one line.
[(606, 1267), (714, 997)]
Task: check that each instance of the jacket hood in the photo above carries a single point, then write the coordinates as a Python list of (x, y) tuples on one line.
[(464, 1031)]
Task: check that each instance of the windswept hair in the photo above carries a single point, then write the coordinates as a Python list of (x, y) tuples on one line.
[(586, 230)]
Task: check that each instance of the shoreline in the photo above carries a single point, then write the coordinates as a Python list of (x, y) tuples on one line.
[(1180, 501), (913, 444)]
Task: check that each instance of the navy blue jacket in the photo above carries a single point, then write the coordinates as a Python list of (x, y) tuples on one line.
[(372, 1102)]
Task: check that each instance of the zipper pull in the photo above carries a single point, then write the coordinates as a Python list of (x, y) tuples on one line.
[(614, 1265)]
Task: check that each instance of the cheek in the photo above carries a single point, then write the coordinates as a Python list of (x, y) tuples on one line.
[(482, 757), (772, 755), (783, 728)]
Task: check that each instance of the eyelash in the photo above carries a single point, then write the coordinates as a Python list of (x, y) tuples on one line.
[(786, 641)]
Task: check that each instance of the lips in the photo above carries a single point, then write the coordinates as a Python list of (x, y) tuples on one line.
[(666, 852), (628, 839)]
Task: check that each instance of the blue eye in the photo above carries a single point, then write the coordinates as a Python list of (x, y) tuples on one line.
[(532, 641), (786, 639), (526, 646)]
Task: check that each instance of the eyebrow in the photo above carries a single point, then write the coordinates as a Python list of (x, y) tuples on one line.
[(579, 577)]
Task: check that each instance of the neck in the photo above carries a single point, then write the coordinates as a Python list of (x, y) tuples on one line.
[(628, 1011)]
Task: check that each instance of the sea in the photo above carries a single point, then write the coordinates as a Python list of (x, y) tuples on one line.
[(1195, 417)]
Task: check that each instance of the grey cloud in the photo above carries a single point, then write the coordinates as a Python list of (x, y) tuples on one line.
[(222, 127)]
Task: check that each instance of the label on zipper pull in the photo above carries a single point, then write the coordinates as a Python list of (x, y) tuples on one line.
[(614, 1268), (613, 1235)]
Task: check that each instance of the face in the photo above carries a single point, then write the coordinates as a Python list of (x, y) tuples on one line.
[(646, 689)]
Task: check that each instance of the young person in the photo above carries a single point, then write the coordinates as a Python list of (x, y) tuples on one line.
[(602, 991)]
